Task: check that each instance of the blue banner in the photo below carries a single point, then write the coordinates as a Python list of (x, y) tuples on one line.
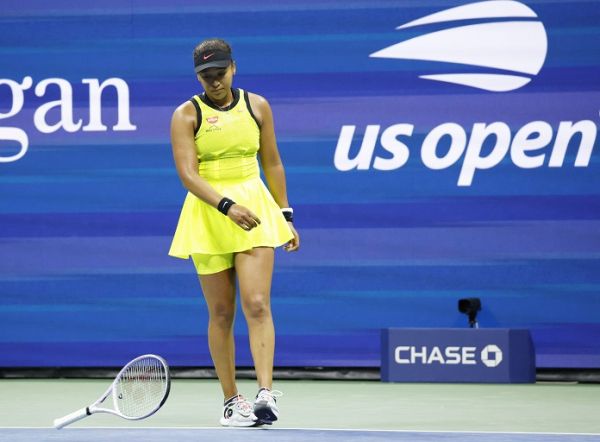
[(434, 150), (495, 355)]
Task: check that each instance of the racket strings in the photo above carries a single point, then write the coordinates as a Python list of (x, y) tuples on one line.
[(141, 388)]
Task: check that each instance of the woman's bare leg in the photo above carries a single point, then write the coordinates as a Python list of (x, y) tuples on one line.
[(254, 269), (219, 292)]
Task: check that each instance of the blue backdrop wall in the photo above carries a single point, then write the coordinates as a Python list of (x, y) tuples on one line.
[(456, 156)]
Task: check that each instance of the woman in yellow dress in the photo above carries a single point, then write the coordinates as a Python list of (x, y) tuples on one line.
[(230, 222)]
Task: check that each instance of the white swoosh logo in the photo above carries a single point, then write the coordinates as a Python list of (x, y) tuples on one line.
[(487, 9), (517, 46)]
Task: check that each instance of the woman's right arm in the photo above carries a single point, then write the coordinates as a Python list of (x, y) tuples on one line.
[(186, 162), (184, 153)]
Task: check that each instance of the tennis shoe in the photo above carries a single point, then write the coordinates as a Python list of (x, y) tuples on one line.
[(237, 412), (265, 406)]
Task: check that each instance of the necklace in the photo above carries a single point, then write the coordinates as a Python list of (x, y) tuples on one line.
[(223, 108)]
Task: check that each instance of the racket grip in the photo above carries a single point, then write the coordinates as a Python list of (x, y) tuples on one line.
[(70, 418)]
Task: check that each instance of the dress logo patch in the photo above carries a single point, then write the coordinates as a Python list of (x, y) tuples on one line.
[(213, 124)]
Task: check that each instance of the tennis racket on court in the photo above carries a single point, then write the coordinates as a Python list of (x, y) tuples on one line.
[(138, 391)]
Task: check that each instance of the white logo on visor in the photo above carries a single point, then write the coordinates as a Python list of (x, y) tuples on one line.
[(514, 42)]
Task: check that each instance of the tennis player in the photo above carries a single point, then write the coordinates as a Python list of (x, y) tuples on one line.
[(230, 222)]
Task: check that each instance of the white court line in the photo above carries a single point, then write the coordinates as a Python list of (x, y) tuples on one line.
[(365, 430)]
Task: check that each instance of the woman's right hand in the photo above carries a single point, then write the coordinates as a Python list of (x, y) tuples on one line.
[(243, 217)]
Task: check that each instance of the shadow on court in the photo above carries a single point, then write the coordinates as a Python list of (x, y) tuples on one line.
[(271, 434)]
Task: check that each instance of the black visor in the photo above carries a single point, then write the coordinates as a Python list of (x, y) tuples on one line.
[(211, 59)]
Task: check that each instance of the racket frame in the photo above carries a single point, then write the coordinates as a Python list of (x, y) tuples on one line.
[(95, 408)]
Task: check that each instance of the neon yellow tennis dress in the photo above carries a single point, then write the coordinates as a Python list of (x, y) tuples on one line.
[(227, 143)]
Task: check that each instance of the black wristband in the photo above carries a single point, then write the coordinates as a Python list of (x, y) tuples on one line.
[(224, 205), (288, 214)]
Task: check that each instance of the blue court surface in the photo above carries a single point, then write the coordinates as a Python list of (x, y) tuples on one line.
[(272, 434)]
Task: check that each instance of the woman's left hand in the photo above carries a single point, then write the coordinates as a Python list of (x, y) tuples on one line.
[(294, 244)]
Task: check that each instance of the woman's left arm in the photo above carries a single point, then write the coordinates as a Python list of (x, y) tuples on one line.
[(270, 159)]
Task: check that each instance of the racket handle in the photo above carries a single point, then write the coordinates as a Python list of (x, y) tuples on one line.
[(70, 418)]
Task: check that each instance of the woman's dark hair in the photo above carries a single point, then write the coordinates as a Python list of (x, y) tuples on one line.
[(212, 44)]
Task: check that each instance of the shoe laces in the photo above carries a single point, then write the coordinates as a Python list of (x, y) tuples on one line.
[(242, 405), (268, 395)]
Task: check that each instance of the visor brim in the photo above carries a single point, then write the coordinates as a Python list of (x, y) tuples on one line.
[(213, 64)]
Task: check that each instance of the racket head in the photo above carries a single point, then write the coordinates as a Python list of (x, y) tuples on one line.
[(141, 387)]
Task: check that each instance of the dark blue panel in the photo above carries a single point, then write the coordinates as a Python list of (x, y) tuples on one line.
[(395, 229)]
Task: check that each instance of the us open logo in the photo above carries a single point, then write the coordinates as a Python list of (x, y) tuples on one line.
[(511, 44)]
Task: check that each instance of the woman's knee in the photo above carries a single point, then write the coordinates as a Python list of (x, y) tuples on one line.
[(257, 307), (222, 315)]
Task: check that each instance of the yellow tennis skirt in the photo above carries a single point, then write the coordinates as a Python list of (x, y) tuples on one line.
[(202, 229)]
